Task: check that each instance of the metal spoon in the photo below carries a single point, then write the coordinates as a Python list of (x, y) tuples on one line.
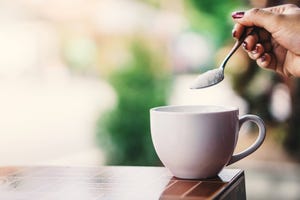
[(215, 76)]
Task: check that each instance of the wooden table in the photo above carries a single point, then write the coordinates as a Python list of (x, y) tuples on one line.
[(114, 183)]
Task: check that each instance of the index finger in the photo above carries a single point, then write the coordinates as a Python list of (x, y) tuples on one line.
[(237, 30)]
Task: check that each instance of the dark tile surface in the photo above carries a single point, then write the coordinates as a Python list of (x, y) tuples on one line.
[(206, 189)]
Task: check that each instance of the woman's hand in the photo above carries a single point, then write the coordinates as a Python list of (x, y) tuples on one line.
[(275, 44)]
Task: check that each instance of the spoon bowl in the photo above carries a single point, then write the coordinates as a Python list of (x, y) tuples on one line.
[(208, 78)]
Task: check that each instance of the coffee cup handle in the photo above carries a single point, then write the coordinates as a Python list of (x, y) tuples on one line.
[(261, 136)]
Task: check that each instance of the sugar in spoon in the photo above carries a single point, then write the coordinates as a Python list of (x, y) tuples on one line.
[(215, 76)]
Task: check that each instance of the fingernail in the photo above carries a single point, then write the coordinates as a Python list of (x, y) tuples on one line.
[(263, 58), (255, 50), (244, 45), (238, 14), (233, 33)]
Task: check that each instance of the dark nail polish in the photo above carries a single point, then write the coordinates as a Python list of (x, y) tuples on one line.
[(255, 50), (234, 33), (263, 58), (238, 14), (245, 45)]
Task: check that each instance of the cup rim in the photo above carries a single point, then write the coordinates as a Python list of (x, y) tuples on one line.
[(194, 109)]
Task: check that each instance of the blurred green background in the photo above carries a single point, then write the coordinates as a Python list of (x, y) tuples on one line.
[(144, 80)]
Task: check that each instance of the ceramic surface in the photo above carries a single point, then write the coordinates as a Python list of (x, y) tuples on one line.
[(198, 141)]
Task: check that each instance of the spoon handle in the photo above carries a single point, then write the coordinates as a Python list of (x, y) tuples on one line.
[(236, 45)]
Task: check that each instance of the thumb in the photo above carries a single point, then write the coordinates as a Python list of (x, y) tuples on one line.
[(257, 17)]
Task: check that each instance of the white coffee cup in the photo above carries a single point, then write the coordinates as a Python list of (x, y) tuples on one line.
[(196, 142)]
